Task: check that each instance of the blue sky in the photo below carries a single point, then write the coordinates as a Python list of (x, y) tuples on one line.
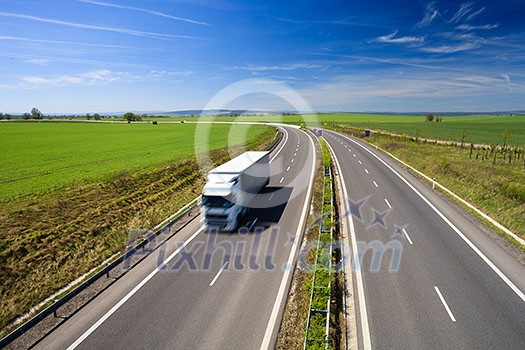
[(80, 56)]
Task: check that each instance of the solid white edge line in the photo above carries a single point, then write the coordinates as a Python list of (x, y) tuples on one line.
[(132, 292), (218, 274), (388, 203), (444, 304), (407, 236), (287, 273), (363, 314), (494, 268), (282, 146)]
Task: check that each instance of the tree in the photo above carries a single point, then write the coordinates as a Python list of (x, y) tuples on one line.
[(7, 116), (505, 136), (26, 116), (1, 116), (129, 116), (96, 116), (88, 116), (463, 135), (430, 117), (36, 114)]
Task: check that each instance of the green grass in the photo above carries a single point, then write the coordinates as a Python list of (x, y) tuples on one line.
[(38, 157), (49, 239), (479, 129)]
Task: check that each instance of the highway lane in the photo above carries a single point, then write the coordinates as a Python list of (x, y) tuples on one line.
[(221, 290), (443, 294)]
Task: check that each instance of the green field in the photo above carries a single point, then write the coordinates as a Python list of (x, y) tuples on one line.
[(38, 157), (479, 129)]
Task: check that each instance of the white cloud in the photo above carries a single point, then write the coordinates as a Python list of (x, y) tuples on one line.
[(390, 38), (161, 36), (38, 61), (474, 14), (468, 27), (430, 15), (464, 9), (451, 48), (282, 67), (155, 13), (100, 77)]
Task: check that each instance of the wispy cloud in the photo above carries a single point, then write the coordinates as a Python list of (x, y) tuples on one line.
[(464, 9), (469, 27), (474, 14), (99, 77), (390, 38), (38, 61), (282, 67), (151, 12), (451, 48), (133, 32), (431, 13)]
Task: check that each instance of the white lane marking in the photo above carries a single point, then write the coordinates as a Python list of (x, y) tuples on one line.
[(295, 154), (375, 184), (363, 315), (218, 274), (288, 169), (494, 268), (293, 252), (282, 146), (282, 179), (132, 292), (366, 171), (354, 155), (407, 236), (388, 203), (349, 150), (360, 162), (445, 304), (271, 196), (292, 160), (253, 224)]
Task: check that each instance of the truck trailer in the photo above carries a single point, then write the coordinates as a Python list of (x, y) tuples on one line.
[(231, 187)]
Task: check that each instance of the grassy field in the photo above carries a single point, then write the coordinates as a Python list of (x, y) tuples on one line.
[(38, 157), (479, 129), (103, 184)]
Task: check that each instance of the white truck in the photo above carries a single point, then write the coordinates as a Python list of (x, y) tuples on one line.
[(231, 187)]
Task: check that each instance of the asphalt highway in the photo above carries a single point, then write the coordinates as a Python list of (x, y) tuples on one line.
[(427, 276), (208, 290)]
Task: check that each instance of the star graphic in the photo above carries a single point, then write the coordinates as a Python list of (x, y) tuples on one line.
[(399, 230), (291, 239), (355, 208), (379, 218)]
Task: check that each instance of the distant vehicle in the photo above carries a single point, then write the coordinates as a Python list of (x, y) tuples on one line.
[(231, 188)]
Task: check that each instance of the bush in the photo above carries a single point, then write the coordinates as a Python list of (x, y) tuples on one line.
[(514, 191)]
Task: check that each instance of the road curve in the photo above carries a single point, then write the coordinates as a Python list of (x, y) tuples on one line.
[(442, 283), (205, 290)]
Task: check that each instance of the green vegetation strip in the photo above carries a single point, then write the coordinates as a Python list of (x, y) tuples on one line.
[(317, 329), (49, 238)]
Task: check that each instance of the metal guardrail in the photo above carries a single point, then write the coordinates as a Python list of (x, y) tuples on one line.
[(52, 309)]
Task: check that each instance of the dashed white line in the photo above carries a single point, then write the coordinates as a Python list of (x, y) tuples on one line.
[(375, 184), (407, 236), (271, 196), (366, 171), (295, 154), (218, 273), (292, 160), (253, 224), (445, 304), (388, 203), (360, 162), (282, 179), (288, 169), (354, 155)]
